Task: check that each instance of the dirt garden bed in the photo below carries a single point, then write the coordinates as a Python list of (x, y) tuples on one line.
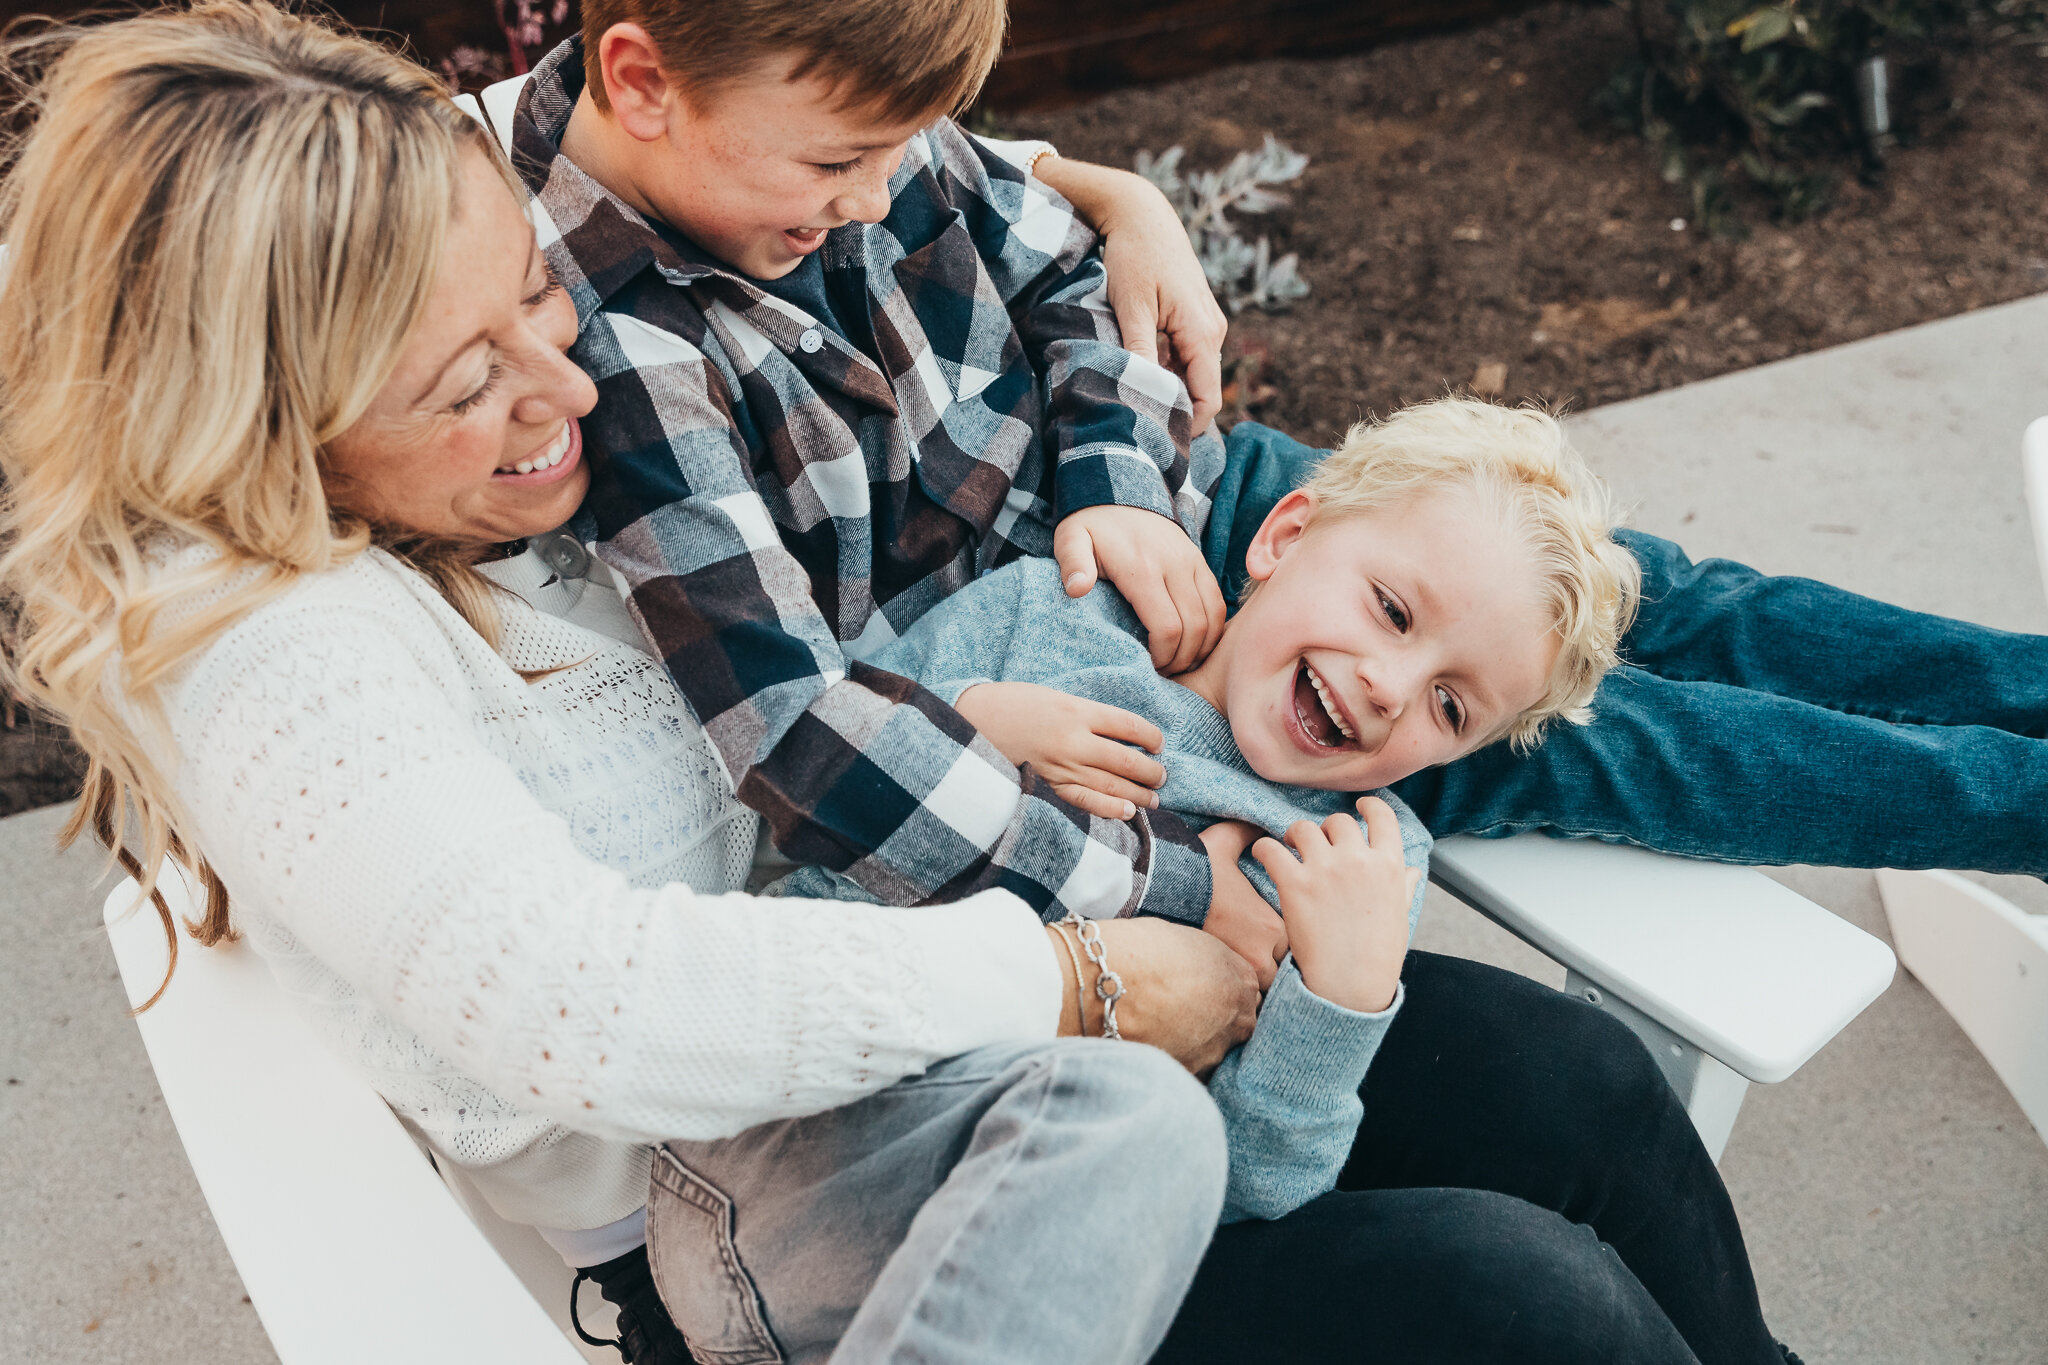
[(1470, 216), (1469, 213)]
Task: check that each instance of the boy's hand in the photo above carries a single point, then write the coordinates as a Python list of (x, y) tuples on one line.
[(1156, 567), (1082, 747), (1156, 285), (1158, 292), (1238, 914), (1346, 898)]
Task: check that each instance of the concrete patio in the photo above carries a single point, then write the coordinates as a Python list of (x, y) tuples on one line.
[(1894, 1197)]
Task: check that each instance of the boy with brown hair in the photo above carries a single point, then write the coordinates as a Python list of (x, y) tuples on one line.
[(848, 358)]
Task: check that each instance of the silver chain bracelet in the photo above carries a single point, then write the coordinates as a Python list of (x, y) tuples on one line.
[(1080, 1009), (1109, 987)]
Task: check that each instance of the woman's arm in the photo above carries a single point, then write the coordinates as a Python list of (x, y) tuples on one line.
[(338, 784)]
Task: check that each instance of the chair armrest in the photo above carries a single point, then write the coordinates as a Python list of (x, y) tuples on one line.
[(1748, 972), (349, 1246)]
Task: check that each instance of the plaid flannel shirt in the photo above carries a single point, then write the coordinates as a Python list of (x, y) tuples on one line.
[(777, 504)]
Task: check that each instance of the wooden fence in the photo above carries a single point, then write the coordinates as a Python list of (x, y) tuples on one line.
[(1059, 50), (1064, 50)]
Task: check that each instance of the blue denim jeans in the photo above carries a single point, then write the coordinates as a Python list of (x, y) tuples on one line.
[(1037, 1202), (1525, 1189), (1757, 720)]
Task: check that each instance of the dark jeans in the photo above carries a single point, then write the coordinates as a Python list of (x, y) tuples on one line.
[(1758, 720), (1525, 1189)]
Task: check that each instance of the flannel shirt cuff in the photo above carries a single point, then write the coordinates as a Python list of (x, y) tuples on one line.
[(1024, 153), (1106, 475), (1178, 885)]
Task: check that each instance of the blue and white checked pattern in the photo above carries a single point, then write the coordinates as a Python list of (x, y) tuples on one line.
[(777, 514)]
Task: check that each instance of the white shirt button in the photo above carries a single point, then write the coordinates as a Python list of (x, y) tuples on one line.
[(812, 341)]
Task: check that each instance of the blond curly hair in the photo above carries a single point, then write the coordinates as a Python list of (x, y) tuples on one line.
[(1521, 463)]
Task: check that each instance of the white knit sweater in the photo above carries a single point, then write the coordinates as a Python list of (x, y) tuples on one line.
[(481, 887)]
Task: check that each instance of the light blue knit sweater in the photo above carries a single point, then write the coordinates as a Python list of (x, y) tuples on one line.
[(1289, 1096)]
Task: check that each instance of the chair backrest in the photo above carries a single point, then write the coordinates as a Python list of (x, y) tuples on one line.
[(494, 108), (350, 1246), (2034, 458)]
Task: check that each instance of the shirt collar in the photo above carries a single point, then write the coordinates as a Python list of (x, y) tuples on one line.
[(566, 194), (608, 242)]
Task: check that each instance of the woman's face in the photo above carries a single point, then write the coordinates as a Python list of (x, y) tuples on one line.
[(474, 436)]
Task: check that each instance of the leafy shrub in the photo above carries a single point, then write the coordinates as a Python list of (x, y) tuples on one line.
[(524, 24), (1769, 91), (1243, 274)]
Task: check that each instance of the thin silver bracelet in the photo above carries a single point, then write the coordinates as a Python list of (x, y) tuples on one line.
[(1109, 987), (1080, 1009)]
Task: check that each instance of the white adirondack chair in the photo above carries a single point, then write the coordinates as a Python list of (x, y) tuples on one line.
[(354, 1250), (1981, 956)]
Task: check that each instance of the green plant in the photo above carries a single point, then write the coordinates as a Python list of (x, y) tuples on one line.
[(1243, 274), (1770, 92)]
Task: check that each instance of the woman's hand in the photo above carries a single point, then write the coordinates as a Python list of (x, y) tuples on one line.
[(1084, 748), (1346, 898), (1238, 914), (1156, 285), (1184, 992)]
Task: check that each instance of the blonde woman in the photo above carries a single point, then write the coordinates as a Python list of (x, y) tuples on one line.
[(283, 367), (282, 361)]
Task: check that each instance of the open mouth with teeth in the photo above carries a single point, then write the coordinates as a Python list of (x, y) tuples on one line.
[(552, 461), (1315, 710), (803, 241)]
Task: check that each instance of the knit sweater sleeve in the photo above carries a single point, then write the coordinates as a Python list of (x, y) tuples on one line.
[(331, 763), (1289, 1097)]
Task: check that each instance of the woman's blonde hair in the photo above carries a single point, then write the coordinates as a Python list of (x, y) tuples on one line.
[(1519, 461), (220, 223)]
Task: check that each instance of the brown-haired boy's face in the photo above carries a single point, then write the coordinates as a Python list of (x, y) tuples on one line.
[(758, 168)]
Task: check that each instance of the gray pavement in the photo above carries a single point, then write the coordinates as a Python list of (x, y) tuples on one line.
[(109, 1254), (1895, 1199)]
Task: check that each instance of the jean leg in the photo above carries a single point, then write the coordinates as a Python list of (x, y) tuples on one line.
[(1736, 775), (1260, 467), (1418, 1277), (1490, 1081), (1719, 621), (955, 1217)]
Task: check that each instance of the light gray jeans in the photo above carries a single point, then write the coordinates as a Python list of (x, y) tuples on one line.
[(1044, 1203)]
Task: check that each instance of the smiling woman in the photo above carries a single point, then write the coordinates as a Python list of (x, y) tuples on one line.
[(489, 851), (474, 439)]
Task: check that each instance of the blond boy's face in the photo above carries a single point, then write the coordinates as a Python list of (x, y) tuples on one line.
[(1380, 643), (758, 169)]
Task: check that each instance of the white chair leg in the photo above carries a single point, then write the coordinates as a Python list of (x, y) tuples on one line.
[(1986, 961), (1711, 1092)]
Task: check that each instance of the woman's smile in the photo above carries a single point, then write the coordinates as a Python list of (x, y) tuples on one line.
[(554, 461)]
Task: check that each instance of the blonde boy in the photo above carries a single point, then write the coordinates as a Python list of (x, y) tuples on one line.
[(1447, 579)]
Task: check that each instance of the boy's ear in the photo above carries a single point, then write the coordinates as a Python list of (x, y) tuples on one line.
[(1282, 528), (639, 90)]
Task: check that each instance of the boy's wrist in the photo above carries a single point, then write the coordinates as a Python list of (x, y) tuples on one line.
[(1370, 991), (1310, 1052)]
